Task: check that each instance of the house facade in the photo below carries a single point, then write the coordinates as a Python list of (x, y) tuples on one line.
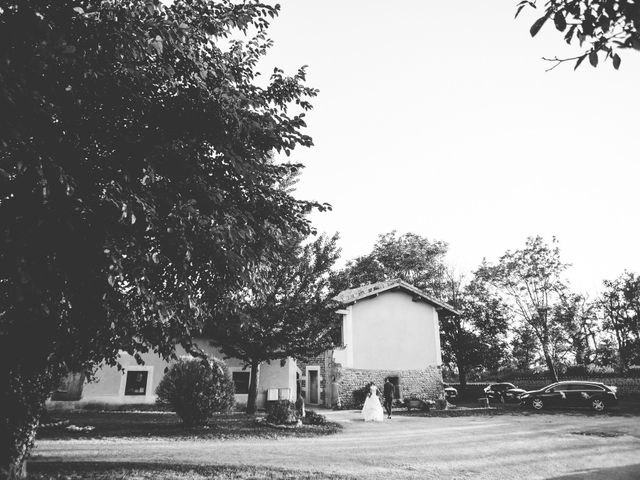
[(136, 384), (389, 329)]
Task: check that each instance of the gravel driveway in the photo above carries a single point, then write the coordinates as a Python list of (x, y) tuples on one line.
[(533, 446)]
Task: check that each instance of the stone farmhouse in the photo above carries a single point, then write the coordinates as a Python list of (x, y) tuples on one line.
[(389, 329)]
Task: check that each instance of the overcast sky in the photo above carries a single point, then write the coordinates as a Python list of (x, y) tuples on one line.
[(438, 118)]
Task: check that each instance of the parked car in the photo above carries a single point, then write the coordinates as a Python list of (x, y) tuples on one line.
[(450, 393), (597, 396), (503, 392)]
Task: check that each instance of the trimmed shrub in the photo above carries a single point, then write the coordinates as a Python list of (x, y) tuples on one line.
[(313, 418), (281, 412), (196, 389)]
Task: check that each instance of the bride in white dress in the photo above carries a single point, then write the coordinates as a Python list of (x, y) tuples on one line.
[(372, 409)]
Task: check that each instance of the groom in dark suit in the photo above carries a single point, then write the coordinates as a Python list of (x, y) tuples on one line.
[(388, 396)]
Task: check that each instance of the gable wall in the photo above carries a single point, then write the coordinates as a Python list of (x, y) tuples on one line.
[(392, 332)]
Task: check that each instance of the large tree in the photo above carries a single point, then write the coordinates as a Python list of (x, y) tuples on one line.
[(576, 319), (525, 348), (410, 257), (136, 181), (601, 27), (530, 280), (620, 304), (283, 311), (476, 337)]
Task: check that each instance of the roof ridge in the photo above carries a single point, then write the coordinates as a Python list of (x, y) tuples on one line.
[(352, 295)]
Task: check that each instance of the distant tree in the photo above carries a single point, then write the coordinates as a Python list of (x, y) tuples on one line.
[(530, 281), (410, 257), (136, 181), (620, 304), (606, 26), (577, 321), (607, 353), (478, 335), (284, 311), (525, 348)]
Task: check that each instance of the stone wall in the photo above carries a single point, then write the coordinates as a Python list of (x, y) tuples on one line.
[(425, 384)]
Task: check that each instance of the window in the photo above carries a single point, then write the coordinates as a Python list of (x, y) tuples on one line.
[(241, 381), (585, 386), (136, 382)]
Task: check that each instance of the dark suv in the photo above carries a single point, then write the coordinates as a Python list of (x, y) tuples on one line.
[(597, 396), (503, 392)]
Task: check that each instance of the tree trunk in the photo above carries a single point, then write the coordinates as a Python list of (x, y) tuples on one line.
[(462, 375), (22, 405), (622, 354), (253, 387), (549, 361)]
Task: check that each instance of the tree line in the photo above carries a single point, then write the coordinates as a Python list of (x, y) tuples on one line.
[(518, 312)]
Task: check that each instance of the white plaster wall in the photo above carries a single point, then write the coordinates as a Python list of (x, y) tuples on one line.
[(108, 386), (274, 376), (391, 331), (344, 354)]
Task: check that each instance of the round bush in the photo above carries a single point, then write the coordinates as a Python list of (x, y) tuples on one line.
[(196, 389)]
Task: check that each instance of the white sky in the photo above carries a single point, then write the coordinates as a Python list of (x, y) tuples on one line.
[(438, 118)]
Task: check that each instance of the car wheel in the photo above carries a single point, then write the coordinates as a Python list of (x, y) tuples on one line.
[(537, 404), (598, 405)]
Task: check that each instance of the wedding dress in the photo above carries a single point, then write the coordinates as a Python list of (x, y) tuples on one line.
[(372, 409)]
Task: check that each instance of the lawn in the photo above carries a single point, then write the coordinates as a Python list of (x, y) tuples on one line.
[(142, 471), (115, 424), (514, 444)]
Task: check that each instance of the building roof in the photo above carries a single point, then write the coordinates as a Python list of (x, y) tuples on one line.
[(352, 295)]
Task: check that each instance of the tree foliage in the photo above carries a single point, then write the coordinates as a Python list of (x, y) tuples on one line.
[(530, 281), (478, 336), (284, 311), (620, 304), (601, 27), (196, 388), (576, 320), (525, 348), (136, 179), (410, 257)]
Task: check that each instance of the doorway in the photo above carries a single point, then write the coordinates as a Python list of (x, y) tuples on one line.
[(313, 385)]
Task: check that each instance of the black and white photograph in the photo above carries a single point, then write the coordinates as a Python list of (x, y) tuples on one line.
[(319, 240)]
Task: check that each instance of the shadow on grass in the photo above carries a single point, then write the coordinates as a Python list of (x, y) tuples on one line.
[(626, 472), (168, 425), (149, 471)]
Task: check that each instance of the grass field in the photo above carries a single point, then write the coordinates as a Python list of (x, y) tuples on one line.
[(118, 424), (142, 471), (513, 443)]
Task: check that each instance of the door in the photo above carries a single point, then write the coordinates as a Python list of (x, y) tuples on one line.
[(312, 379), (396, 386), (554, 397)]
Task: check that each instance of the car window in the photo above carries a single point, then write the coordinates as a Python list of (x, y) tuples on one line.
[(592, 388), (559, 388)]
